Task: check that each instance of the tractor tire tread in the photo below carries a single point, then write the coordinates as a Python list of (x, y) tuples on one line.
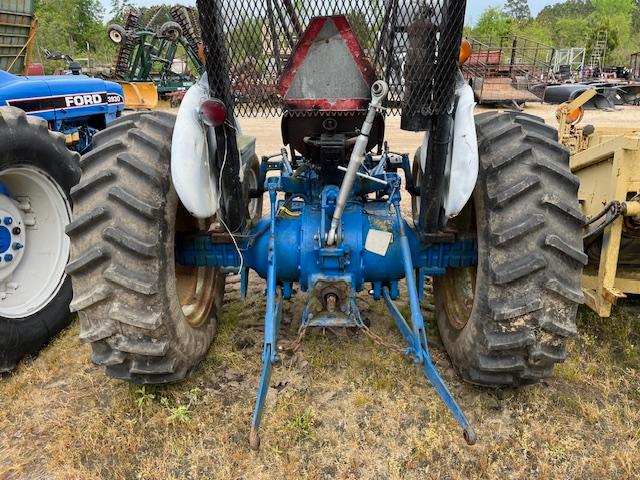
[(87, 258), (134, 203), (90, 183), (528, 284), (122, 258)]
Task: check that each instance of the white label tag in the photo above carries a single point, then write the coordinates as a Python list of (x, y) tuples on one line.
[(378, 242)]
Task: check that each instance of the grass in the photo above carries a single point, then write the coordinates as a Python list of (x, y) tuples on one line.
[(342, 407), (302, 425)]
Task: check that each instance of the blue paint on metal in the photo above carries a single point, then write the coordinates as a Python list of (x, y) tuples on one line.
[(244, 282), (289, 247), (299, 238), (5, 239), (4, 190), (61, 97), (417, 341), (271, 323), (69, 103), (8, 257), (7, 220)]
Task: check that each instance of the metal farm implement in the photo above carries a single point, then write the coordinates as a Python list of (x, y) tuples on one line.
[(607, 161), (170, 204), (144, 63)]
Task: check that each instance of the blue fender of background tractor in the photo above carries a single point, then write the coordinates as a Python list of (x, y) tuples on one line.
[(60, 98)]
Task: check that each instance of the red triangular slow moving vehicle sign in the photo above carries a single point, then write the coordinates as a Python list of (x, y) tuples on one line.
[(329, 70)]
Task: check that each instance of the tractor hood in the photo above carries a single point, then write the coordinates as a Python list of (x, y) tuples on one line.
[(61, 97)]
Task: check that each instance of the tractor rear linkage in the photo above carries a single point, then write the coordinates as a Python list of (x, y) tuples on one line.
[(376, 245)]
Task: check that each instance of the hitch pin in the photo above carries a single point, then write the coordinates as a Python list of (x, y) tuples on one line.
[(367, 177)]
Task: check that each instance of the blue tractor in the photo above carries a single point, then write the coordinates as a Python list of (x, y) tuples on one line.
[(46, 123), (168, 205)]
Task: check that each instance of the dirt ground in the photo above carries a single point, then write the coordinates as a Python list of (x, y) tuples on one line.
[(342, 407), (269, 140)]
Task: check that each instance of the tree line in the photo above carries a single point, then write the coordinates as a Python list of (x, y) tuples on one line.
[(569, 23), (78, 27)]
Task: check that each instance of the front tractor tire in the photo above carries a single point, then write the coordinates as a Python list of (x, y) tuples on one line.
[(37, 172), (149, 321), (507, 321)]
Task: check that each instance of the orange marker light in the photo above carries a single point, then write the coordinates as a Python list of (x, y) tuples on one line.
[(465, 51), (575, 116)]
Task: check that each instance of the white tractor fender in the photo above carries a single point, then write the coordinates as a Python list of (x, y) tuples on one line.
[(191, 147), (464, 157)]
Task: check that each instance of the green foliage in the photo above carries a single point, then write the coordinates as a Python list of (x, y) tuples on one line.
[(569, 23), (518, 10), (360, 28), (247, 39), (143, 397), (620, 334), (493, 23), (613, 28), (610, 8), (181, 412), (302, 425), (567, 10), (536, 31), (570, 32), (73, 27), (177, 413)]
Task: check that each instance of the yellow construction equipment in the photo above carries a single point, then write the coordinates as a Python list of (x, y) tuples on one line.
[(607, 161), (140, 95)]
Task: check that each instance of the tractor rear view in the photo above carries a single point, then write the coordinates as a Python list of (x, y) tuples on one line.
[(495, 212)]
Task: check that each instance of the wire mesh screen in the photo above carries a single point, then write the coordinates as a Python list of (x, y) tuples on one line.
[(412, 44)]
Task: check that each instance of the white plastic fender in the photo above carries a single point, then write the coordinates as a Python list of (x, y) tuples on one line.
[(191, 172), (464, 158)]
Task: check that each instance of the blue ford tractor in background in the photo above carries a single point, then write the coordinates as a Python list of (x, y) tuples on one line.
[(46, 123)]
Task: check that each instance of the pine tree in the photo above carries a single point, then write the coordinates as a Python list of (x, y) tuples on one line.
[(518, 10)]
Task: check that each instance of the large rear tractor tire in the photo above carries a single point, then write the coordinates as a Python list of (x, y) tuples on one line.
[(148, 320), (37, 172), (507, 321)]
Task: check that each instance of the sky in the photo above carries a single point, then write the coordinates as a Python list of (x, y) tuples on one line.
[(474, 7)]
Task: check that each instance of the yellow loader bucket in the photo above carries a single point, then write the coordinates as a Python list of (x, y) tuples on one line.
[(139, 95)]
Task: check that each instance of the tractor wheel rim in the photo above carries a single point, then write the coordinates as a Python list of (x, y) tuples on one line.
[(415, 200), (195, 285), (41, 211), (459, 293), (252, 205), (459, 284), (116, 37)]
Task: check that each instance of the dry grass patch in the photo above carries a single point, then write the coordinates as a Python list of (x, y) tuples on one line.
[(342, 407)]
